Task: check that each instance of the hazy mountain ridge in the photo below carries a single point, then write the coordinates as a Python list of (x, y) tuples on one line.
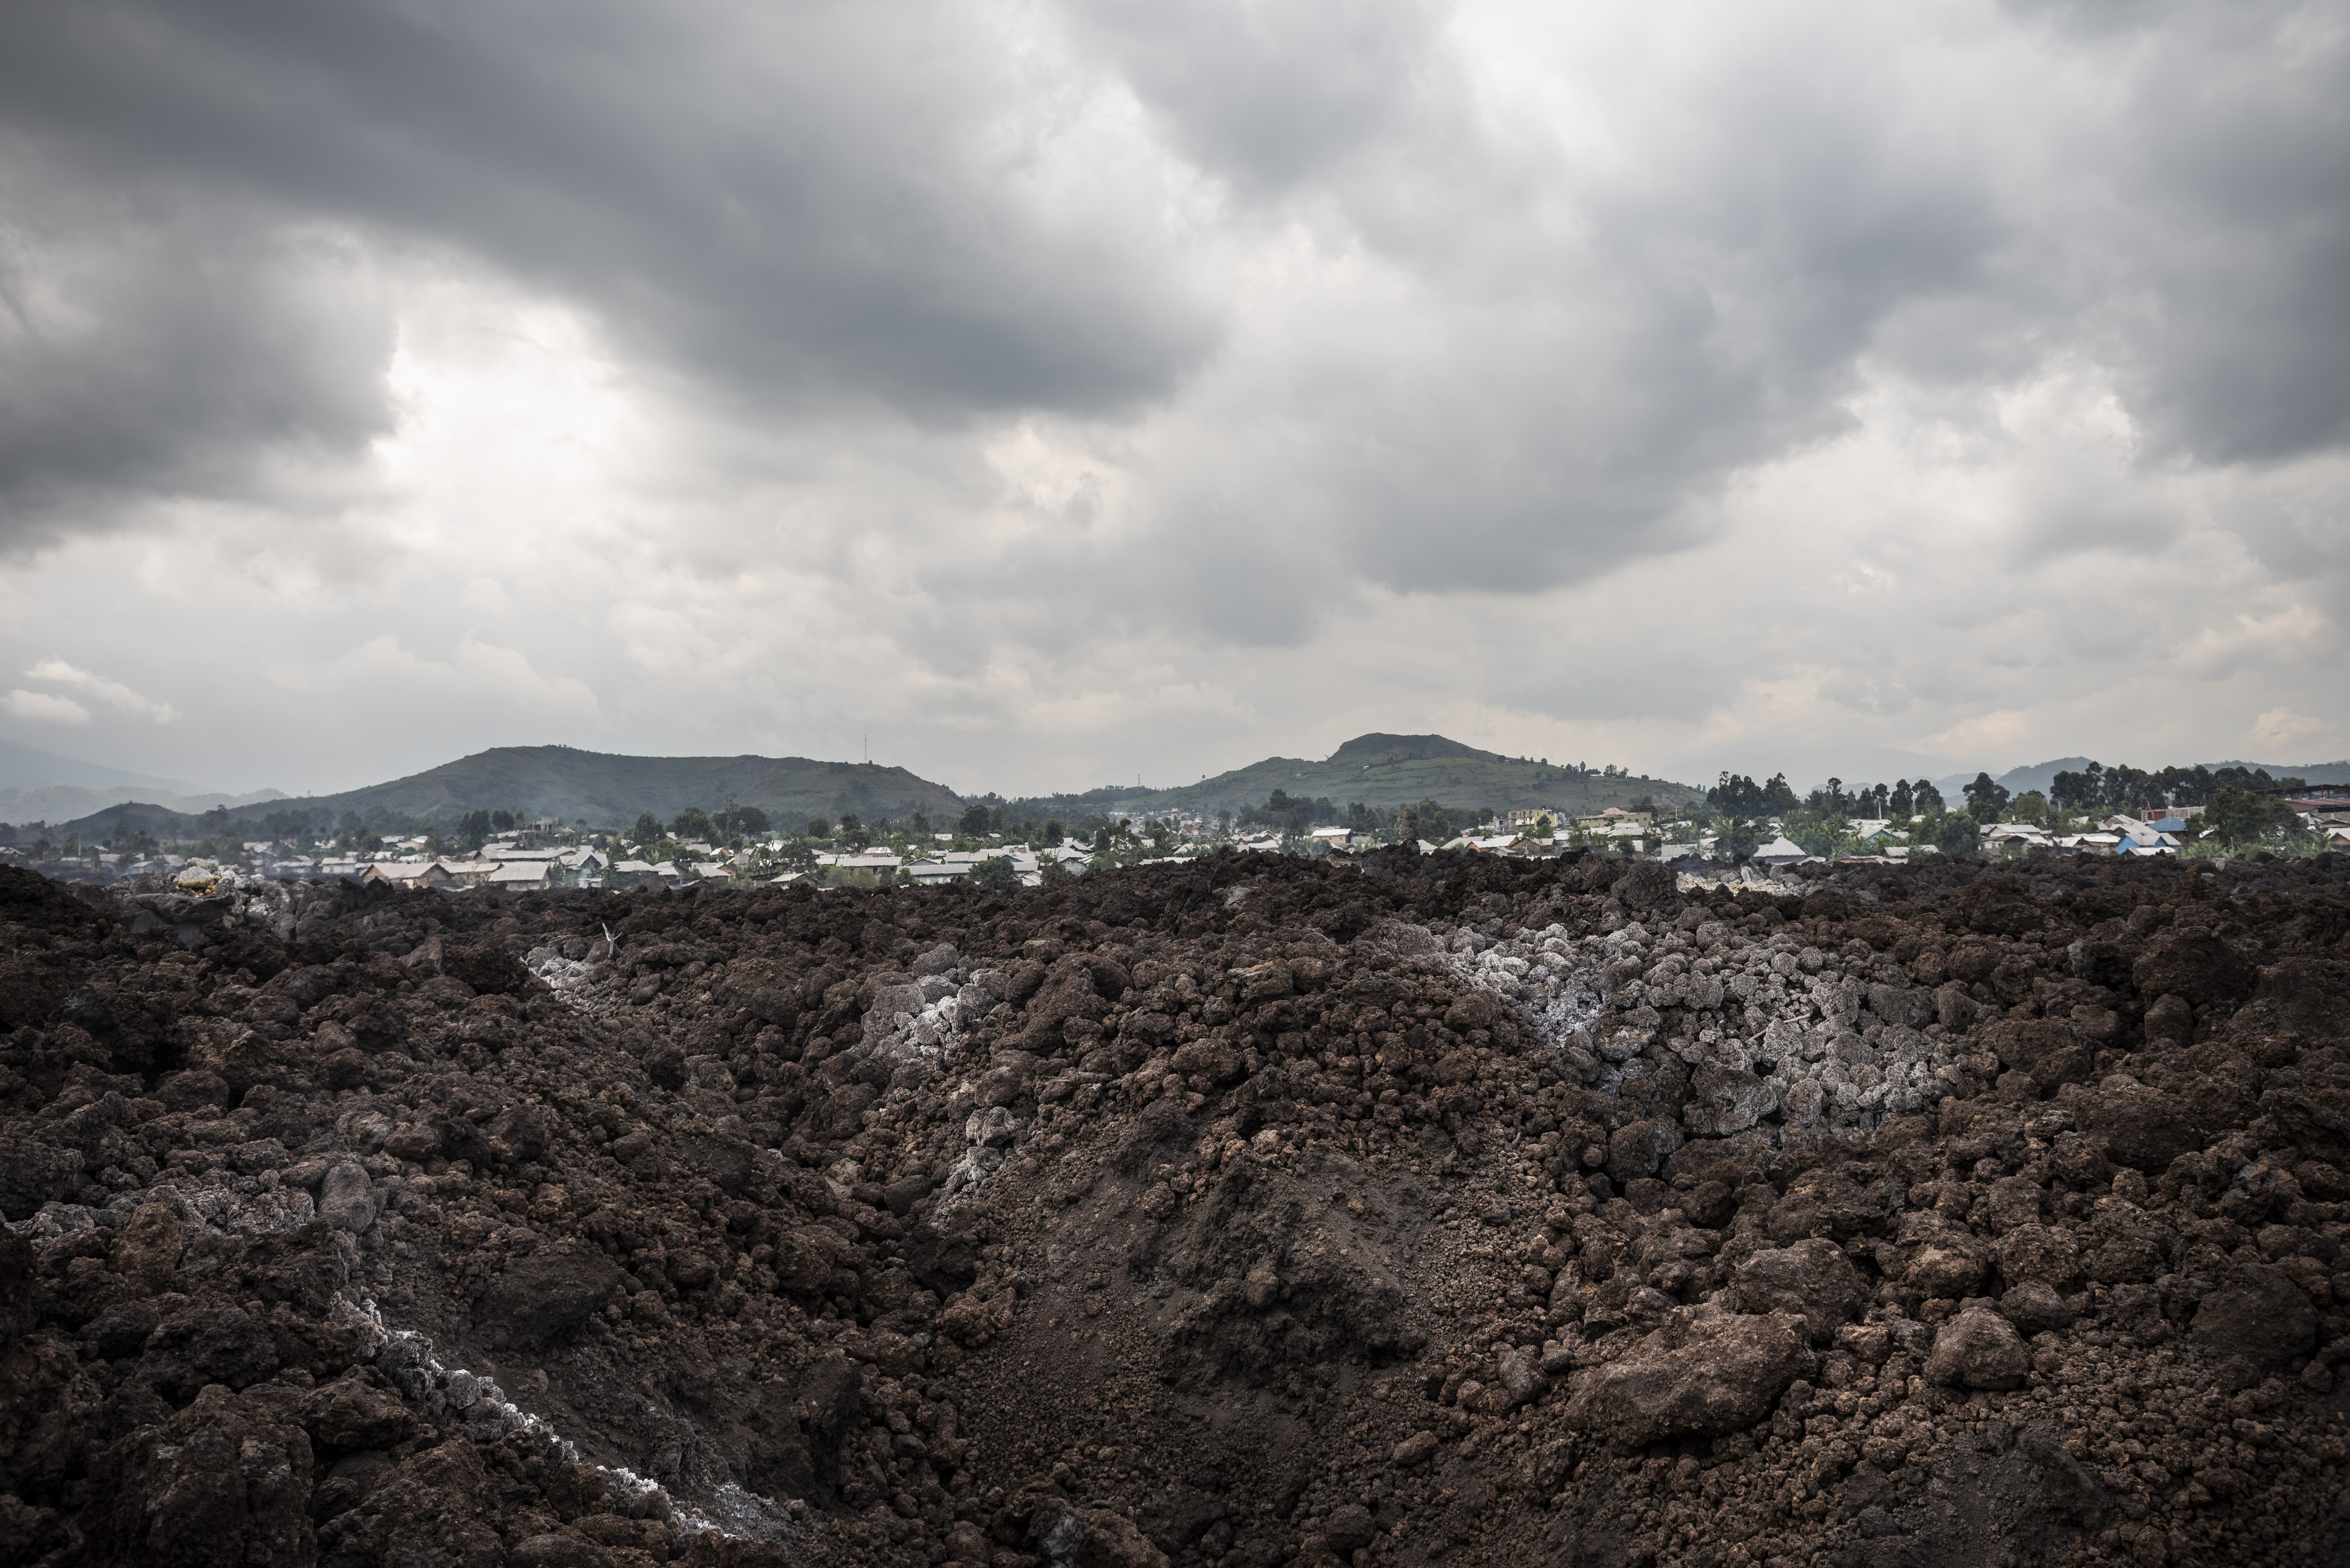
[(2041, 775), (62, 803), (606, 789), (29, 768), (1384, 772)]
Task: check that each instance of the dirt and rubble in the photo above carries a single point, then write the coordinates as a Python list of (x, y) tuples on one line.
[(1249, 1211)]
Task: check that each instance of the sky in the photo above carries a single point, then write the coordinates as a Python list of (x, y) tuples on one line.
[(1068, 392)]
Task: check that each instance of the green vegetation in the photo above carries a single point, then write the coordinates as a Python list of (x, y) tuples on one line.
[(2235, 821), (1385, 773), (995, 871), (608, 790)]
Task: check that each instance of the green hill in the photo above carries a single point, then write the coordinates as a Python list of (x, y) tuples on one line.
[(1384, 772), (607, 790), (1381, 771)]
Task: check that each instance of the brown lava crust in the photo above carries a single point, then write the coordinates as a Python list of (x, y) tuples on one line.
[(1237, 1213)]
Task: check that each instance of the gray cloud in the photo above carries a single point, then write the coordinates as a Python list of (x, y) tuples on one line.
[(153, 344), (1019, 359), (1273, 94), (827, 203)]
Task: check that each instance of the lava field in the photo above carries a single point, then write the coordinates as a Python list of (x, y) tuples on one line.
[(1237, 1213)]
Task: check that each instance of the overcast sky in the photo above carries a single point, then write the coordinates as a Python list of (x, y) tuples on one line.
[(1064, 392)]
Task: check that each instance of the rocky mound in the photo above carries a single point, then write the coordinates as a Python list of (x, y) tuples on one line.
[(1235, 1213)]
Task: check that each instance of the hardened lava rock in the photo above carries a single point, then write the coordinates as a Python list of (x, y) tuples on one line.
[(1228, 1214)]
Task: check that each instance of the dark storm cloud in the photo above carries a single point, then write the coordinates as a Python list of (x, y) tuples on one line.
[(1525, 355), (2237, 179), (154, 344), (1272, 94), (840, 202)]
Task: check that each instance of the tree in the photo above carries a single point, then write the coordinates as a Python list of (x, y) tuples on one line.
[(1736, 841), (1985, 799), (2235, 817), (974, 823), (818, 827), (1734, 793), (2029, 806), (1814, 831), (855, 832), (1899, 803), (647, 829), (995, 871), (691, 823), (472, 829), (736, 820), (2128, 788), (1434, 825), (1954, 833)]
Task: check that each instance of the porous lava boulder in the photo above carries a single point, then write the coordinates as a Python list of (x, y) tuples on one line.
[(1978, 1348), (1725, 1100), (1069, 1537), (1812, 1280), (1699, 1378), (2141, 1128), (552, 1292), (2196, 965), (2305, 1001), (1649, 888), (2048, 1049), (225, 1481), (2262, 1316), (1640, 1148), (485, 967), (33, 1173)]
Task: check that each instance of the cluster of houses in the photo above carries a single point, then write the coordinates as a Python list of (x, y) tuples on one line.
[(534, 859), (508, 867), (511, 867)]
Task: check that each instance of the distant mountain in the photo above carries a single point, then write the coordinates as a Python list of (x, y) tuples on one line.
[(2308, 772), (608, 791), (24, 767), (66, 803), (2041, 775), (1373, 750), (43, 786), (1381, 771)]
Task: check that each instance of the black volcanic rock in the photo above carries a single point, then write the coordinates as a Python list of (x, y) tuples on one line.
[(1230, 1213)]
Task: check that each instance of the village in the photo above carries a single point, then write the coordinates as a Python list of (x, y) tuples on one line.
[(518, 855)]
